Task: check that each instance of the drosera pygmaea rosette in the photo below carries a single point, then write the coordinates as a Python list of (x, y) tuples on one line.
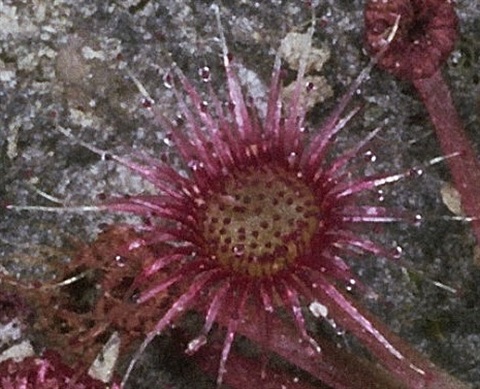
[(264, 219)]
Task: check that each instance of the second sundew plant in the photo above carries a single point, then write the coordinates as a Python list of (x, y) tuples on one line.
[(427, 33), (262, 222)]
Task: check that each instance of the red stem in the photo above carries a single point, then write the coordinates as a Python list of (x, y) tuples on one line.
[(406, 367), (247, 372), (333, 366), (465, 168)]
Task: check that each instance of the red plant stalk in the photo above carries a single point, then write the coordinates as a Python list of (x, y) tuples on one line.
[(426, 36), (336, 367), (465, 169), (406, 367), (248, 372)]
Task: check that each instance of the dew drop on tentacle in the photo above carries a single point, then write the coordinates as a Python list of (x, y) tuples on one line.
[(351, 284), (120, 261), (205, 74), (416, 171), (195, 344), (168, 81), (370, 156), (147, 103)]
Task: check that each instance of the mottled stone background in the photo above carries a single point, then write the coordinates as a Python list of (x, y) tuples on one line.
[(67, 63)]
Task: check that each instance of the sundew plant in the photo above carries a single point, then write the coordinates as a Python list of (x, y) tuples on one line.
[(258, 221)]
